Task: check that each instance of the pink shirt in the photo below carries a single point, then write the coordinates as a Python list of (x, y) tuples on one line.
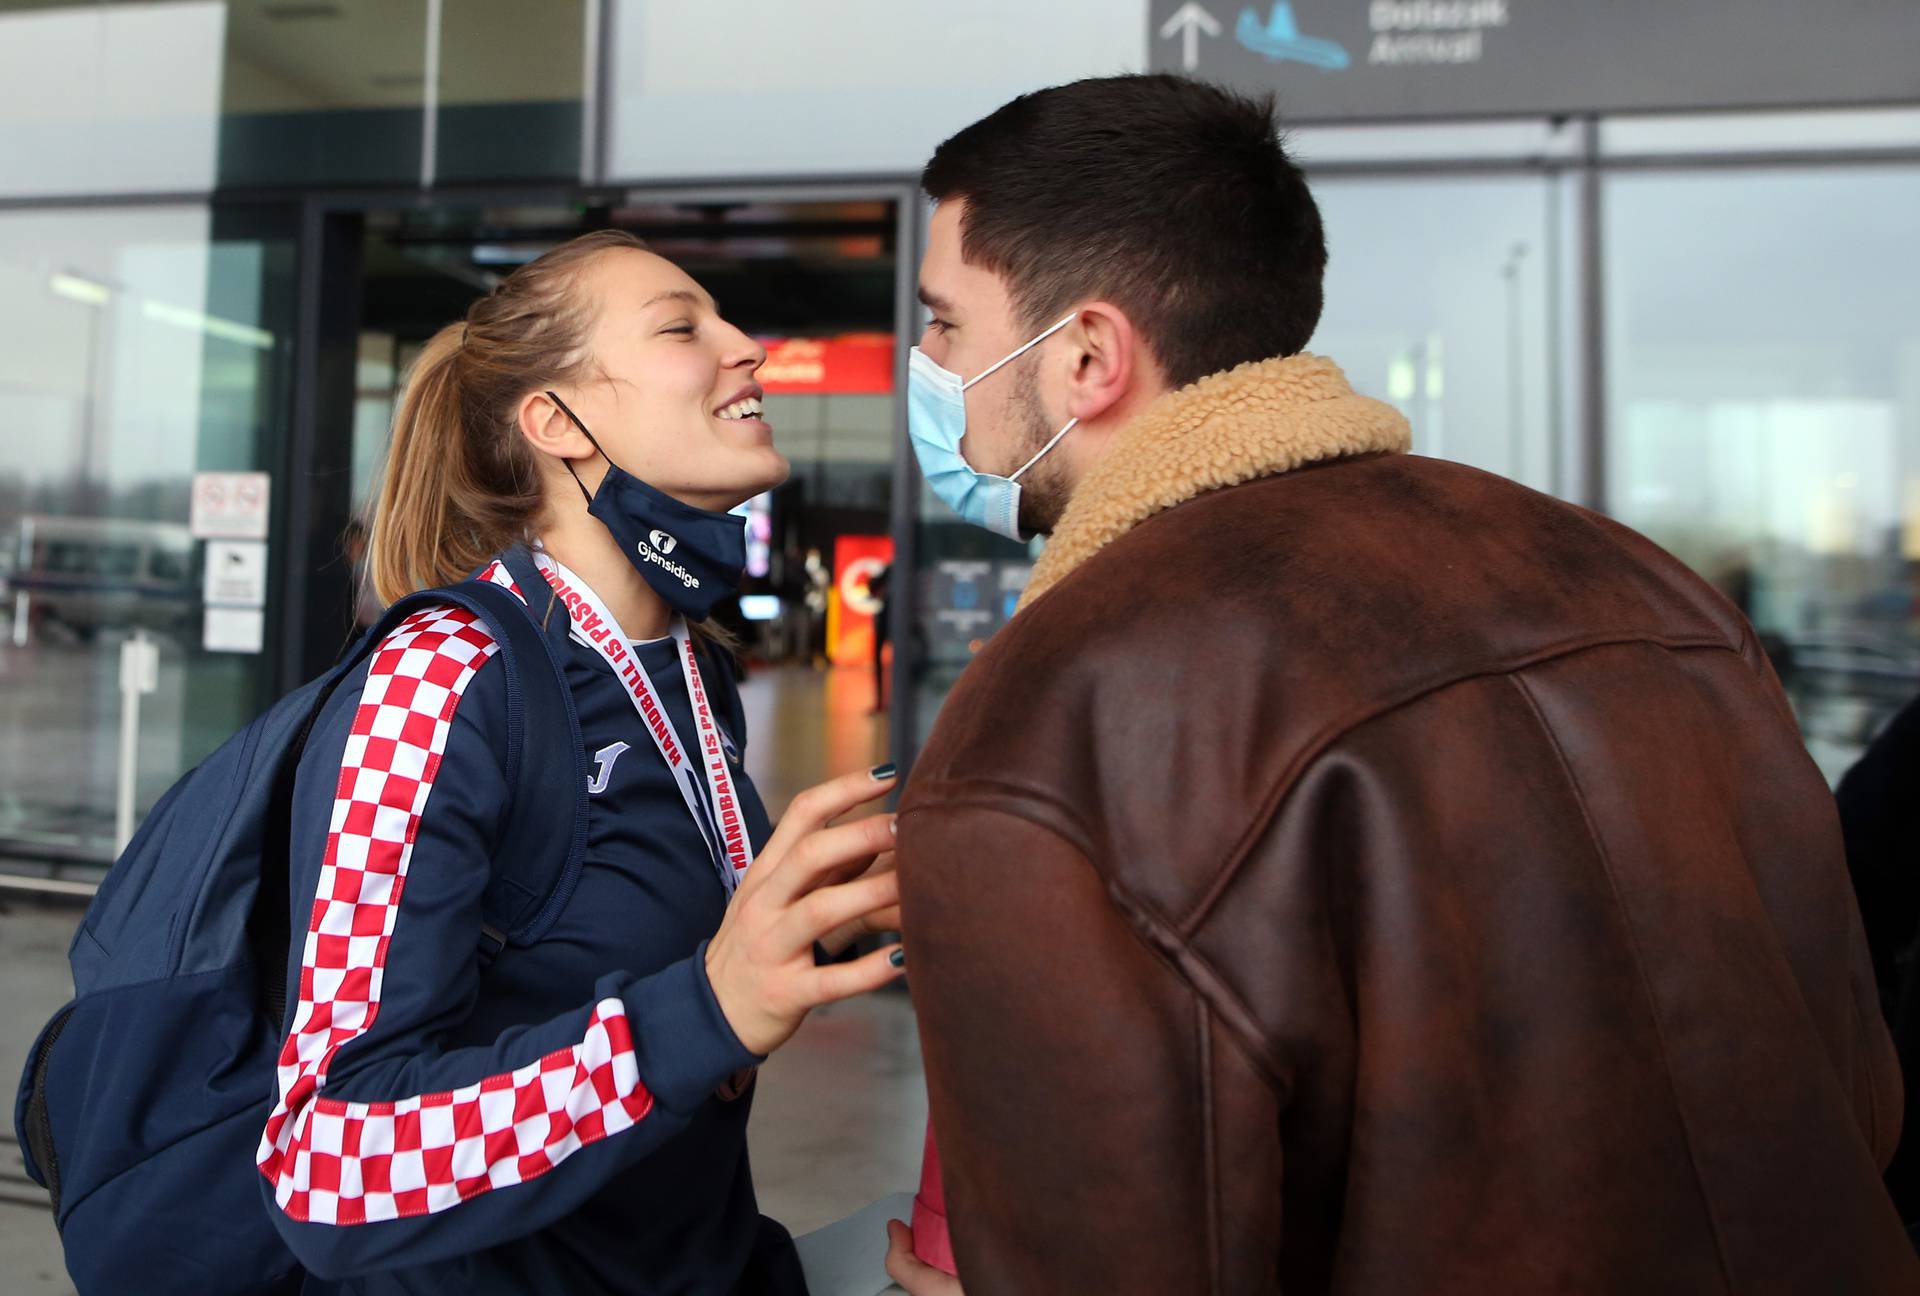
[(931, 1241)]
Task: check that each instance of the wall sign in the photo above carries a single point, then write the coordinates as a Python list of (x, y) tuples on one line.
[(236, 573), (230, 505)]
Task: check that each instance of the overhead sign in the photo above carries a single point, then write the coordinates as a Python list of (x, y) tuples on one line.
[(1357, 60), (853, 364)]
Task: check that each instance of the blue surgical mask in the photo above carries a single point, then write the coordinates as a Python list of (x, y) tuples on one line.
[(936, 422), (692, 557)]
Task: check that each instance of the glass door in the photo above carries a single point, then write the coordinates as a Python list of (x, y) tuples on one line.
[(141, 350)]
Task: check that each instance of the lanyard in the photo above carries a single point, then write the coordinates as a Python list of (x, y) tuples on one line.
[(723, 827)]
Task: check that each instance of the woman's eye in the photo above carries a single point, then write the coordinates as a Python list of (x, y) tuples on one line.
[(938, 325), (678, 328)]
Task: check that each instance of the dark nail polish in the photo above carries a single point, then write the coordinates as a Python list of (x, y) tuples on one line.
[(881, 773), (898, 958)]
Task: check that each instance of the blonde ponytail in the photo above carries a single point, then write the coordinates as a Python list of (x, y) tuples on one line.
[(410, 531)]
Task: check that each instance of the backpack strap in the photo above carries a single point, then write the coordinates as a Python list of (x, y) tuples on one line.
[(538, 859)]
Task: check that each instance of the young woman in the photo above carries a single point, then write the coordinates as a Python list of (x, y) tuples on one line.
[(570, 1116)]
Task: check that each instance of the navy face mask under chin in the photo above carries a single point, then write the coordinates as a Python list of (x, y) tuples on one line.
[(693, 558)]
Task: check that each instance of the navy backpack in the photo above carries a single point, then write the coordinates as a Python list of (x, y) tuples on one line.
[(144, 1098)]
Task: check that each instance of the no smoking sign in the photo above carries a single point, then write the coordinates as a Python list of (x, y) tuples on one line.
[(230, 505)]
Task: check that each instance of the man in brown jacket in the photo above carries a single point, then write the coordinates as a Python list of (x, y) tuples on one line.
[(1349, 871)]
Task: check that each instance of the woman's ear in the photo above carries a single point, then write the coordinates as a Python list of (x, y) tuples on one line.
[(548, 429)]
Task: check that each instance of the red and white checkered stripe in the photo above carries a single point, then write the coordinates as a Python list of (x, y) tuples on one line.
[(334, 1162), (496, 572)]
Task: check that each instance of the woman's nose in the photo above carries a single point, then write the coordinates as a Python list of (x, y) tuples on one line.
[(746, 350)]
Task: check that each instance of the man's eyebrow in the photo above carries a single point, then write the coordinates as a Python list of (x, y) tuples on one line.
[(934, 301)]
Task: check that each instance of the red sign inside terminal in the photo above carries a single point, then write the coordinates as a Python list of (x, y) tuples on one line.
[(852, 364)]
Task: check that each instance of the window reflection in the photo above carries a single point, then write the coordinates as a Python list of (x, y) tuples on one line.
[(1448, 315), (1764, 409)]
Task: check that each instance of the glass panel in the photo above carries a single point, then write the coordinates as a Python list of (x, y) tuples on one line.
[(1453, 317), (511, 79), (376, 390), (1764, 408), (269, 92), (323, 92), (140, 346), (854, 87), (82, 109)]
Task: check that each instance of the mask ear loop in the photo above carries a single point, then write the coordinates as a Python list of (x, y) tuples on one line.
[(555, 398), (1071, 424), (1007, 360), (1065, 320)]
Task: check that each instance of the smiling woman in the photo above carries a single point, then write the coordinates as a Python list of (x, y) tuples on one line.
[(585, 1092), (598, 351)]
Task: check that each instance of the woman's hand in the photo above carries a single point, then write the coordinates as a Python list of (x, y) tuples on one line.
[(910, 1271), (867, 924), (807, 883)]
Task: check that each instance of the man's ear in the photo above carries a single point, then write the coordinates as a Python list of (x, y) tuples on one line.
[(1108, 363)]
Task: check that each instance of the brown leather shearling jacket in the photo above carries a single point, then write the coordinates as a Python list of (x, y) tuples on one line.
[(1353, 872)]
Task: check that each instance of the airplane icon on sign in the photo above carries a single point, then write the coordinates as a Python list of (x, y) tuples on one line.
[(1279, 40)]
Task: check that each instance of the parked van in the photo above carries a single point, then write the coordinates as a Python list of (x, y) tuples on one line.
[(84, 575)]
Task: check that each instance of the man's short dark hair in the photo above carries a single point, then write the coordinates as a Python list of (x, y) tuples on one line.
[(1170, 197)]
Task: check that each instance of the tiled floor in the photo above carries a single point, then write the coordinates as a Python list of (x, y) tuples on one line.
[(840, 1113)]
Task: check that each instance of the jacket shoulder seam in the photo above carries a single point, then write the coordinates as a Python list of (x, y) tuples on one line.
[(1006, 796), (1366, 713)]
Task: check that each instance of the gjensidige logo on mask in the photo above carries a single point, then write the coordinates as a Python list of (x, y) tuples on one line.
[(656, 553), (662, 541)]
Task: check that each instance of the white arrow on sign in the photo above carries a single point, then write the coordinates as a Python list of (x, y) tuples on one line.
[(1188, 21)]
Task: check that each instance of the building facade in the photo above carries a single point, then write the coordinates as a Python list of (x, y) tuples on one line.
[(1660, 262)]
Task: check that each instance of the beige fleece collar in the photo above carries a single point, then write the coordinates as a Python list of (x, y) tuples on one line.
[(1257, 420)]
